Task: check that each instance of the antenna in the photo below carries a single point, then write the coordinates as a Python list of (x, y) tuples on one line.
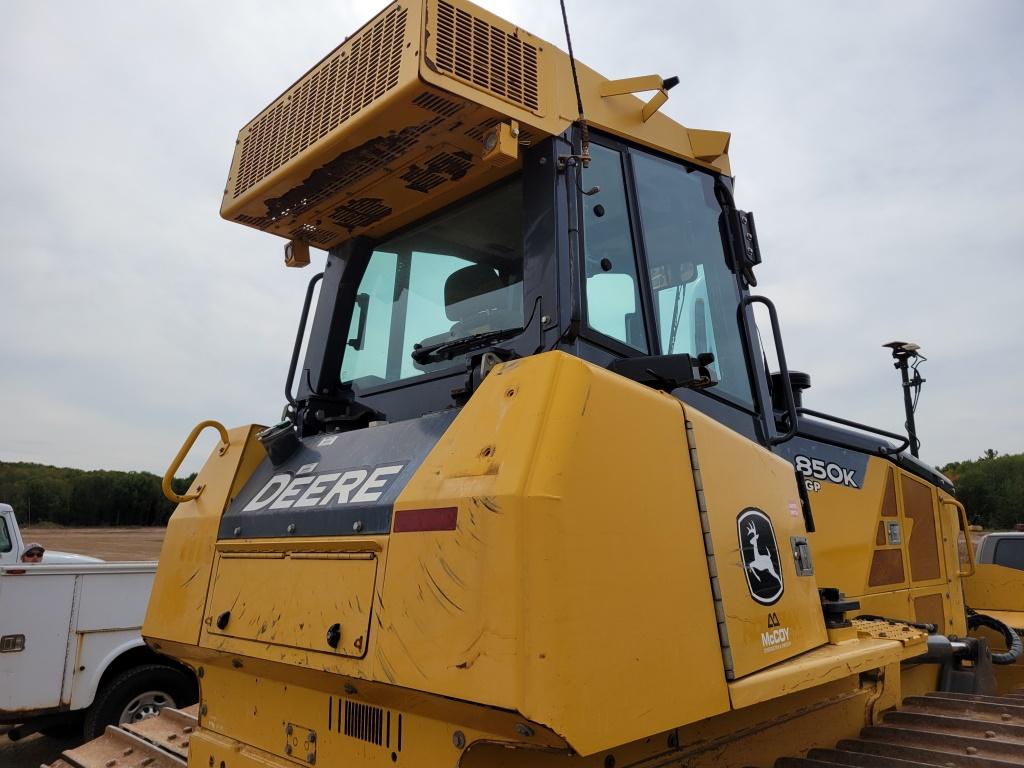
[(903, 352), (584, 132)]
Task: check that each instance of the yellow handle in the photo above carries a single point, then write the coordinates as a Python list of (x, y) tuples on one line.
[(966, 528), (183, 452)]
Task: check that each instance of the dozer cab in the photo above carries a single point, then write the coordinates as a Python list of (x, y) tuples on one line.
[(536, 500)]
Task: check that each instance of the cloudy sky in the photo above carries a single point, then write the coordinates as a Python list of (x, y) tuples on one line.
[(877, 142)]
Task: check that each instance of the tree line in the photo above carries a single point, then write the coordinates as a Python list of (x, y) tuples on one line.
[(76, 497), (991, 487)]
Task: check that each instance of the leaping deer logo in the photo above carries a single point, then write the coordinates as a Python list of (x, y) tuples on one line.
[(762, 561)]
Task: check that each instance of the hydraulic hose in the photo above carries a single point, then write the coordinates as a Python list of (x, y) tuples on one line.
[(1013, 642)]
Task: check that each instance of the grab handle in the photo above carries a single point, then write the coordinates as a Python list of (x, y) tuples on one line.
[(966, 528), (183, 452), (780, 353)]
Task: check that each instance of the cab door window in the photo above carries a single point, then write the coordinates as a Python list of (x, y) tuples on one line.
[(696, 297), (612, 290)]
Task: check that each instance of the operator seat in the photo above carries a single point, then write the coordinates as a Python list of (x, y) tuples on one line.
[(476, 301), (469, 294)]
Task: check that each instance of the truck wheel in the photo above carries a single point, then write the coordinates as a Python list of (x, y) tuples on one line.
[(136, 694)]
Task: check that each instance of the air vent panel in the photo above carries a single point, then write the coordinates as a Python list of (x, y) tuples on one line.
[(351, 78), (486, 56)]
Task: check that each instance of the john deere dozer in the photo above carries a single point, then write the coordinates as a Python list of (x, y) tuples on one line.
[(536, 500)]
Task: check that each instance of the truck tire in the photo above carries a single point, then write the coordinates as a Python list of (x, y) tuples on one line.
[(136, 694)]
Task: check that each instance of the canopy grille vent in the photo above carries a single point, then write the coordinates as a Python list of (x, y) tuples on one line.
[(437, 104), (356, 74), (490, 58), (349, 168), (442, 167), (360, 213)]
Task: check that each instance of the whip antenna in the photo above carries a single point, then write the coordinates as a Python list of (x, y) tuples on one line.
[(584, 132)]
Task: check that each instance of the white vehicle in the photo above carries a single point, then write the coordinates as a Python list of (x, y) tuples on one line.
[(72, 658), (1006, 549), (12, 544)]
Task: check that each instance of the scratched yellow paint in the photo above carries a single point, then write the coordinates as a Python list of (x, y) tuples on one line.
[(575, 588), (178, 599)]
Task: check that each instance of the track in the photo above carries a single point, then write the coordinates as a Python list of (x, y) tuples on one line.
[(942, 729), (159, 742), (952, 730)]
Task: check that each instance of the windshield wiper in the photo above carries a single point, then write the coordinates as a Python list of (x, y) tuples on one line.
[(446, 350)]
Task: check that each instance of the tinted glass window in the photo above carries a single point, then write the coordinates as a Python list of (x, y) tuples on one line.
[(612, 291), (696, 296), (5, 537), (456, 275), (1010, 552)]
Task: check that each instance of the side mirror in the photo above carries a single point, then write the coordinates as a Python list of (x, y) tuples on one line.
[(741, 235)]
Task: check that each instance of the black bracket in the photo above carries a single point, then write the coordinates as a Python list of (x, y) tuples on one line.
[(667, 372)]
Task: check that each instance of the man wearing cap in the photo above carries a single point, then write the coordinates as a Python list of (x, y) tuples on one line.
[(33, 553)]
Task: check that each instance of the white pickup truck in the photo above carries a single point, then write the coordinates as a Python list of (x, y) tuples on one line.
[(1006, 549), (71, 656)]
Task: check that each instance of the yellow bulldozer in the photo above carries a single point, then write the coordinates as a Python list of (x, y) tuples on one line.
[(536, 499)]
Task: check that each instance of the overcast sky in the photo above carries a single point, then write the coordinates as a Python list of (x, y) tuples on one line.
[(877, 142)]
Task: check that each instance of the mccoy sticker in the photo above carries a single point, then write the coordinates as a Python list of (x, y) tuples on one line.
[(760, 555)]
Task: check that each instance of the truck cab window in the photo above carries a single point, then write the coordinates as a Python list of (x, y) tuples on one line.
[(695, 295), (612, 291), (1010, 553), (5, 537), (456, 275)]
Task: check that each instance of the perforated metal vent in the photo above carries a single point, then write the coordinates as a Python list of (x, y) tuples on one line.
[(488, 57), (360, 213), (442, 167), (437, 104), (349, 168), (364, 721), (253, 221), (357, 73), (312, 234)]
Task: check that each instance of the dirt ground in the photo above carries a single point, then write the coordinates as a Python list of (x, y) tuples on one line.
[(32, 751), (107, 543)]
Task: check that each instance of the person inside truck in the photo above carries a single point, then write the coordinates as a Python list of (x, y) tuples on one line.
[(33, 553)]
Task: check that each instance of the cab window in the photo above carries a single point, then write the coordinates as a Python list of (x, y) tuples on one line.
[(696, 297), (611, 290), (5, 537), (456, 275)]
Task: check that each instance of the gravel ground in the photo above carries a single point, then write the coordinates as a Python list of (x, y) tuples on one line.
[(32, 751)]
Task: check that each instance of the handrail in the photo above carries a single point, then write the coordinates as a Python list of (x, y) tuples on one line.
[(862, 427), (183, 452), (303, 319), (780, 353), (966, 528)]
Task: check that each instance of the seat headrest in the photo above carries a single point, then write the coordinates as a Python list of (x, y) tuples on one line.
[(469, 283)]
